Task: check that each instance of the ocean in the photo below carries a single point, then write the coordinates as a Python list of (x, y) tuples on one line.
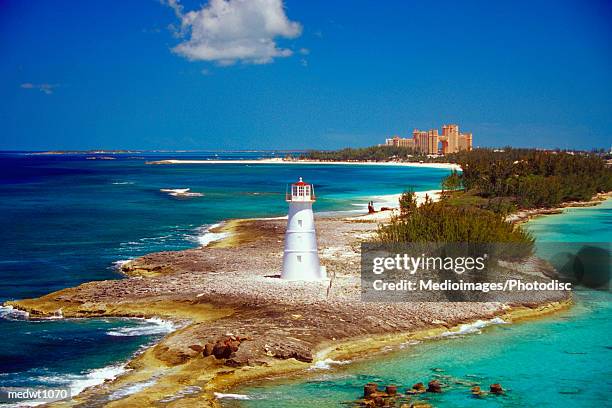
[(561, 360), (72, 218)]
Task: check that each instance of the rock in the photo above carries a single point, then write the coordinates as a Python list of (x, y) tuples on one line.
[(288, 349), (496, 389), (233, 345), (476, 391), (417, 388), (379, 401), (369, 389), (222, 350), (434, 386), (208, 349), (196, 347), (391, 390)]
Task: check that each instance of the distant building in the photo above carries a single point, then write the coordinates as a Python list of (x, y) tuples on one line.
[(431, 142)]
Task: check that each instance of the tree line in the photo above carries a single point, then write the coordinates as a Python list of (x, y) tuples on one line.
[(493, 183), (372, 153), (531, 178)]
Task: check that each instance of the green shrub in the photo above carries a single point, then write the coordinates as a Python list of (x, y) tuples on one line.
[(439, 222)]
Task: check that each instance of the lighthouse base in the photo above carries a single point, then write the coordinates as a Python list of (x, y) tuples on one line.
[(302, 267)]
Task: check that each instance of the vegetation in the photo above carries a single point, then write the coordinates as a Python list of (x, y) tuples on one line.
[(443, 222), (407, 202), (372, 153), (452, 182), (531, 178), (492, 185)]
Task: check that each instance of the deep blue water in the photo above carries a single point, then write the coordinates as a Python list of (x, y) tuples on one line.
[(564, 360), (67, 219)]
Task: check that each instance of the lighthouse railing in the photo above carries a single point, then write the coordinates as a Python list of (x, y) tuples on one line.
[(290, 196)]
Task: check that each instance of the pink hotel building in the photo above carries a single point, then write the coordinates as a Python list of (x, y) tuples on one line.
[(431, 142)]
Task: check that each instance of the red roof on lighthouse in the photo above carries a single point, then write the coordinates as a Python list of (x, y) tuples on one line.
[(300, 183)]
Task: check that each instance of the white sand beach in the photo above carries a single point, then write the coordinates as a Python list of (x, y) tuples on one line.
[(450, 166), (392, 201)]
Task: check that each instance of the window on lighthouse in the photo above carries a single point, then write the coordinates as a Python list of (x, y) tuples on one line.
[(299, 258), (300, 223)]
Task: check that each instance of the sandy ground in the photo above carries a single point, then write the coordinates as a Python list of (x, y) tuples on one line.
[(391, 202), (450, 166)]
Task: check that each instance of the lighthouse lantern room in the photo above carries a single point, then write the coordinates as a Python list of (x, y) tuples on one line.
[(300, 258)]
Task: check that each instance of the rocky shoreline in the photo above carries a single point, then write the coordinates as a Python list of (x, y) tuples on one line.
[(241, 322), (523, 216)]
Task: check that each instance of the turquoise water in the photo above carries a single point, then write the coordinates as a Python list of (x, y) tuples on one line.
[(562, 360), (67, 219)]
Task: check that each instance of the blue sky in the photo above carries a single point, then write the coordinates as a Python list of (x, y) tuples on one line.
[(304, 74)]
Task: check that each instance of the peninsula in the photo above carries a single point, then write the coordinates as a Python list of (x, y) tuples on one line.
[(238, 321)]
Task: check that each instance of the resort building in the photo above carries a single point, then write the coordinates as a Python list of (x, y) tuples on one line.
[(431, 142)]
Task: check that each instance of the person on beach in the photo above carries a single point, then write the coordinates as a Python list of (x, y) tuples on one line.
[(371, 209)]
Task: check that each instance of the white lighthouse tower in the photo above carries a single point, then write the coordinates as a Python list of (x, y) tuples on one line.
[(300, 259)]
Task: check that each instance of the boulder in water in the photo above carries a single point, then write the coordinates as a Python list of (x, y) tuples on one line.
[(417, 388), (369, 389), (391, 390), (476, 391), (434, 386), (496, 389)]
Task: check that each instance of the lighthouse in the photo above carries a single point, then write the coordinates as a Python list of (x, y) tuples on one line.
[(300, 259)]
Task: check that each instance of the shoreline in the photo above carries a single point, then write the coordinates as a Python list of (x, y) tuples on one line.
[(449, 166), (523, 216), (370, 347), (219, 377)]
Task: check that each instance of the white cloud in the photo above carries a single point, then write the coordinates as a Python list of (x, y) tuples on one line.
[(227, 31), (44, 88)]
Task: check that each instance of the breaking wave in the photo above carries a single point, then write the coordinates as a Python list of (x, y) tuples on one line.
[(147, 327), (475, 327), (206, 236), (232, 396), (180, 192), (89, 378), (10, 313), (327, 364)]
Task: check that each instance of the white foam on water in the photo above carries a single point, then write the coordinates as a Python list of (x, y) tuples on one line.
[(327, 364), (89, 378), (97, 376), (409, 343), (118, 264), (147, 327), (180, 192), (206, 236), (58, 314), (121, 183), (10, 313), (131, 389), (232, 396), (474, 327)]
